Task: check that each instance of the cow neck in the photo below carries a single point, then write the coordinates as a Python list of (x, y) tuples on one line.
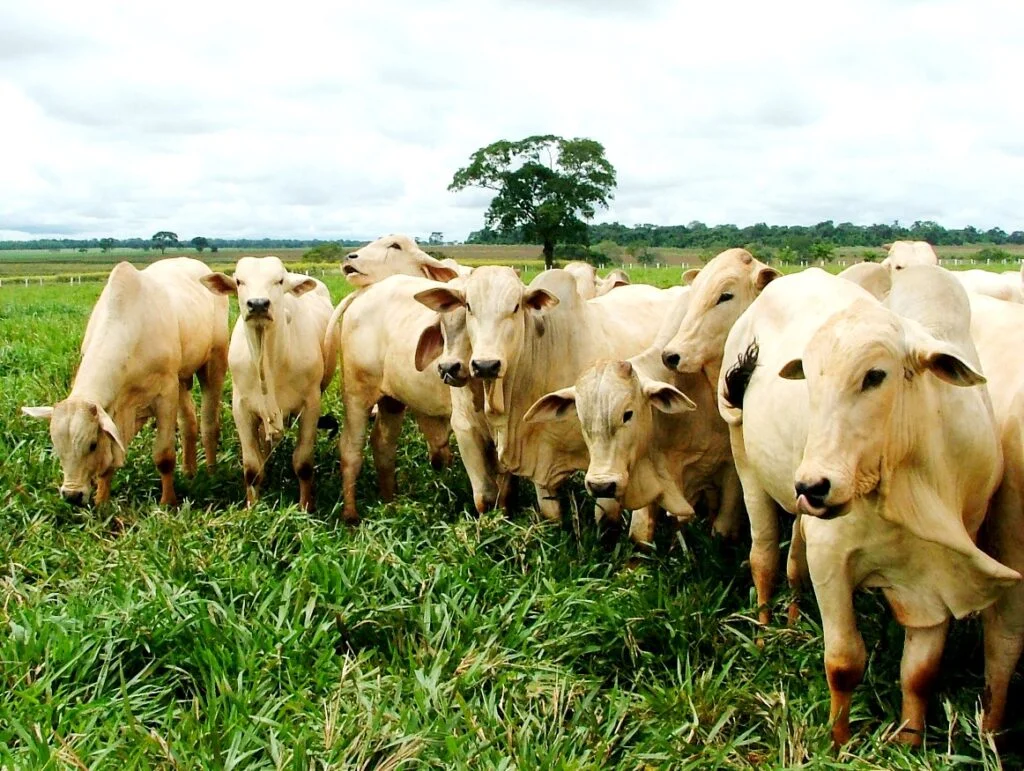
[(545, 363), (109, 344), (268, 346)]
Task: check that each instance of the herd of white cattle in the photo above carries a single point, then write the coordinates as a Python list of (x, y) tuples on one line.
[(882, 408)]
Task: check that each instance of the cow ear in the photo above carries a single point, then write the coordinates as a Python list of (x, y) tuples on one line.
[(794, 370), (765, 276), (299, 285), (430, 346), (435, 270), (667, 398), (557, 405), (689, 276), (218, 283), (108, 427), (441, 299), (38, 412), (948, 367), (540, 299)]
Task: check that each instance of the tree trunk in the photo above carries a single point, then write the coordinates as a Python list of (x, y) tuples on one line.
[(549, 254)]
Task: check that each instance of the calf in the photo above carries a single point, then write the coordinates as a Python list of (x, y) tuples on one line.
[(281, 362), (150, 332)]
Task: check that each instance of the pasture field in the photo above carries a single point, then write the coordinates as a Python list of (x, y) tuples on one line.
[(211, 636)]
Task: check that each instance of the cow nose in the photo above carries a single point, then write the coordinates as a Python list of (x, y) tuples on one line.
[(74, 497), (486, 368), (258, 304), (814, 493), (450, 369), (669, 359), (602, 489)]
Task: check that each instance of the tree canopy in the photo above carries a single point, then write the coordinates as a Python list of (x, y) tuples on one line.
[(163, 239), (546, 187)]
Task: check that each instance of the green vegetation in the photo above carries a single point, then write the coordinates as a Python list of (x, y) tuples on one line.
[(211, 636), (545, 187)]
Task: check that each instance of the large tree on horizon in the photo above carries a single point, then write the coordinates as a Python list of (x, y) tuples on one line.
[(546, 187)]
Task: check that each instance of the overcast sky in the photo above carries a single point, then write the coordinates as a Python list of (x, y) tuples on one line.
[(347, 119)]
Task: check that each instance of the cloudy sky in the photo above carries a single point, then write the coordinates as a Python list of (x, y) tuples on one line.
[(347, 119)]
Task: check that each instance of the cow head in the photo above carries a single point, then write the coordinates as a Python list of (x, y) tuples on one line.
[(445, 341), (498, 310), (722, 290), (615, 278), (903, 254), (85, 440), (393, 255), (862, 367), (615, 408), (260, 283)]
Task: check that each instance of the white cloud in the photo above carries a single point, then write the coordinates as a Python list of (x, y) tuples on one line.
[(348, 120)]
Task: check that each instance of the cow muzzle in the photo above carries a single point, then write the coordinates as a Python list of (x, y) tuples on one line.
[(677, 361), (486, 369), (812, 499), (605, 485), (75, 497), (453, 373), (257, 309)]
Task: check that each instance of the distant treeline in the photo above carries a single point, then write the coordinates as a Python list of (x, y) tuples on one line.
[(796, 237), (73, 244)]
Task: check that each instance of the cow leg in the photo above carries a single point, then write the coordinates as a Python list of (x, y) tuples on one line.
[(922, 653), (253, 456), (641, 526), (479, 465), (796, 569), (548, 503), (845, 654), (764, 548), (305, 446), (729, 519), (103, 488), (189, 427), (384, 442), (163, 445), (436, 431), (1003, 538), (211, 380), (353, 436)]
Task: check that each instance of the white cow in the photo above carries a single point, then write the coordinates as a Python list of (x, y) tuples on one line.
[(903, 254), (150, 332), (831, 399), (381, 327), (1002, 286), (873, 276), (589, 284), (997, 329), (527, 341), (281, 362), (649, 444), (392, 255)]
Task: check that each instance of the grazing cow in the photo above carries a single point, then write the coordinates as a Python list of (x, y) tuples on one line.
[(381, 328), (903, 254), (832, 401), (527, 341), (1002, 286), (281, 362), (395, 255), (647, 444), (589, 284), (873, 276), (150, 332), (997, 329)]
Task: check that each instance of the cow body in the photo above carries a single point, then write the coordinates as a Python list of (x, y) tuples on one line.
[(1001, 286), (150, 332), (854, 445), (281, 362)]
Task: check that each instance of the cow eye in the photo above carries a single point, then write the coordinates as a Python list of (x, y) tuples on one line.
[(239, 282), (395, 245), (92, 447), (872, 379), (627, 416), (725, 297), (468, 309), (281, 282), (516, 309)]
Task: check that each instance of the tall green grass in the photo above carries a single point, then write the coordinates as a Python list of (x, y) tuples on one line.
[(212, 636)]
